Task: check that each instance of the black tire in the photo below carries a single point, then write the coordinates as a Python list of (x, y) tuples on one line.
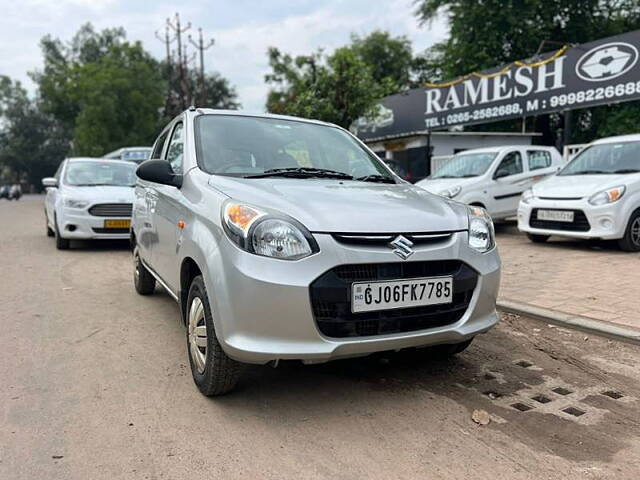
[(631, 240), (538, 238), (61, 243), (449, 350), (50, 233), (144, 282), (221, 373)]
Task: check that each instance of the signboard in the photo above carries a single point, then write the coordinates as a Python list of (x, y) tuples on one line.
[(596, 73)]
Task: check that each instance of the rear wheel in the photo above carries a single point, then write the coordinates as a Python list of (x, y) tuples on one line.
[(538, 238), (631, 240), (213, 371), (61, 243), (143, 281)]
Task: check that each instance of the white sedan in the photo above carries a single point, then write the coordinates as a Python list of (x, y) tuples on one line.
[(597, 195), (89, 198)]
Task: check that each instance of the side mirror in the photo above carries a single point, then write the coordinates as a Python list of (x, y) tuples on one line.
[(49, 182), (159, 171), (501, 174)]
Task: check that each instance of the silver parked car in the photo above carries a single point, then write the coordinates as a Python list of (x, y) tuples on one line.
[(283, 238)]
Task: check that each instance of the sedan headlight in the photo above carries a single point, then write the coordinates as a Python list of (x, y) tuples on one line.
[(527, 196), (481, 233), (451, 192), (607, 196), (267, 234), (72, 203)]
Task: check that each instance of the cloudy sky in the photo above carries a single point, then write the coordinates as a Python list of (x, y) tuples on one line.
[(243, 30)]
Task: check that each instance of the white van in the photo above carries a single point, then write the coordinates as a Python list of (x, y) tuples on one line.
[(494, 177)]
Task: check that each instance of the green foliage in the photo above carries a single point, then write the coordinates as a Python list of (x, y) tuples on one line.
[(341, 87), (488, 33)]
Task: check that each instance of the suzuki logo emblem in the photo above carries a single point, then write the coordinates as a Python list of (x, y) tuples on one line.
[(402, 247)]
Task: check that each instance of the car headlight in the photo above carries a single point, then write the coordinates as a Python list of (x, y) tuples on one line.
[(72, 203), (481, 233), (267, 234), (527, 196), (607, 196), (451, 192)]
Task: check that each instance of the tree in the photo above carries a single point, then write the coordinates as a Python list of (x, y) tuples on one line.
[(338, 88), (488, 33)]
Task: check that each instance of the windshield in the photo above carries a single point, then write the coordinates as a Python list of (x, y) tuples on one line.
[(248, 146), (100, 173), (466, 165), (136, 155), (606, 158)]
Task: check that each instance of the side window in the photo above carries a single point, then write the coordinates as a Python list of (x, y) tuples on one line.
[(176, 149), (157, 149), (538, 159), (511, 164)]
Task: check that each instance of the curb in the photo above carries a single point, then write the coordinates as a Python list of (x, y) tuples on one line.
[(585, 324)]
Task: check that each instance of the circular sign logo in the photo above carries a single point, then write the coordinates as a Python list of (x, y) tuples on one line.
[(607, 61)]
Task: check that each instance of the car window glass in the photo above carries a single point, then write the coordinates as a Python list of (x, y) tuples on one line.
[(511, 163), (176, 148), (538, 159), (157, 150), (605, 158)]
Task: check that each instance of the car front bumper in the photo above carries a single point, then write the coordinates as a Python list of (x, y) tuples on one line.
[(605, 221), (262, 306), (79, 224)]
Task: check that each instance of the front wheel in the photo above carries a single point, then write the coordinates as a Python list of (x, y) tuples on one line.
[(631, 240), (449, 350), (538, 238), (50, 232), (61, 243), (213, 371)]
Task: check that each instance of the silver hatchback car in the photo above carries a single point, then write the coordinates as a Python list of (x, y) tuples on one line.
[(288, 239)]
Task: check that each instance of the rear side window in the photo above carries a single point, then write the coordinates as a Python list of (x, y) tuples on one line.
[(511, 163), (157, 149), (538, 159)]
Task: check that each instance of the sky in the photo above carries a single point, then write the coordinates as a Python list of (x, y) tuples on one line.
[(243, 30)]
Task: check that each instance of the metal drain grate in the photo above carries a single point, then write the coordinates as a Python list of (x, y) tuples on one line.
[(524, 364), (522, 407), (576, 412), (612, 394), (561, 391), (541, 399)]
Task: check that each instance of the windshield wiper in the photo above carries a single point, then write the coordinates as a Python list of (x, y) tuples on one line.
[(301, 172), (376, 178), (627, 170), (588, 172), (468, 175)]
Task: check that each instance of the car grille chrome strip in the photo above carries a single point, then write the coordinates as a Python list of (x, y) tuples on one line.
[(111, 210), (384, 239)]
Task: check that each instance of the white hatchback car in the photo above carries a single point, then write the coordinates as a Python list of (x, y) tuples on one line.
[(89, 198), (597, 195), (493, 178)]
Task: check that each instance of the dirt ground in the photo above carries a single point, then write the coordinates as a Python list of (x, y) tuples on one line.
[(96, 385)]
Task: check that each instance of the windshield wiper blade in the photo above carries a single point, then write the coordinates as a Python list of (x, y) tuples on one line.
[(589, 172), (376, 178), (301, 172), (627, 170)]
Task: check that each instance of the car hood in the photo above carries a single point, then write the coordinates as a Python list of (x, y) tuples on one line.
[(576, 186), (100, 194), (348, 206), (437, 185)]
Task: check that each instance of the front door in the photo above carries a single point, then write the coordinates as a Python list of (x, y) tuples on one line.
[(509, 180)]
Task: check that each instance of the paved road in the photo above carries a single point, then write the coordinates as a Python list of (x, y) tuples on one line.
[(95, 385), (586, 278)]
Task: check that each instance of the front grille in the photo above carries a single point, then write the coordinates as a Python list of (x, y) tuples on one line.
[(110, 230), (331, 299), (111, 210), (417, 239), (579, 224)]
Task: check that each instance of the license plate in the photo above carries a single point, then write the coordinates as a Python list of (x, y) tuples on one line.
[(369, 296), (555, 215), (117, 224)]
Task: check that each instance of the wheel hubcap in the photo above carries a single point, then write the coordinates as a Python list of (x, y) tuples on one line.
[(197, 335), (136, 267), (635, 231)]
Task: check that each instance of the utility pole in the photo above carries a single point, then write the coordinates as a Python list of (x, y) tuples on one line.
[(167, 40), (201, 47), (185, 99)]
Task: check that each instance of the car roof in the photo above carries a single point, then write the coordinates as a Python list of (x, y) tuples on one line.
[(242, 113), (97, 159), (500, 148), (634, 137)]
